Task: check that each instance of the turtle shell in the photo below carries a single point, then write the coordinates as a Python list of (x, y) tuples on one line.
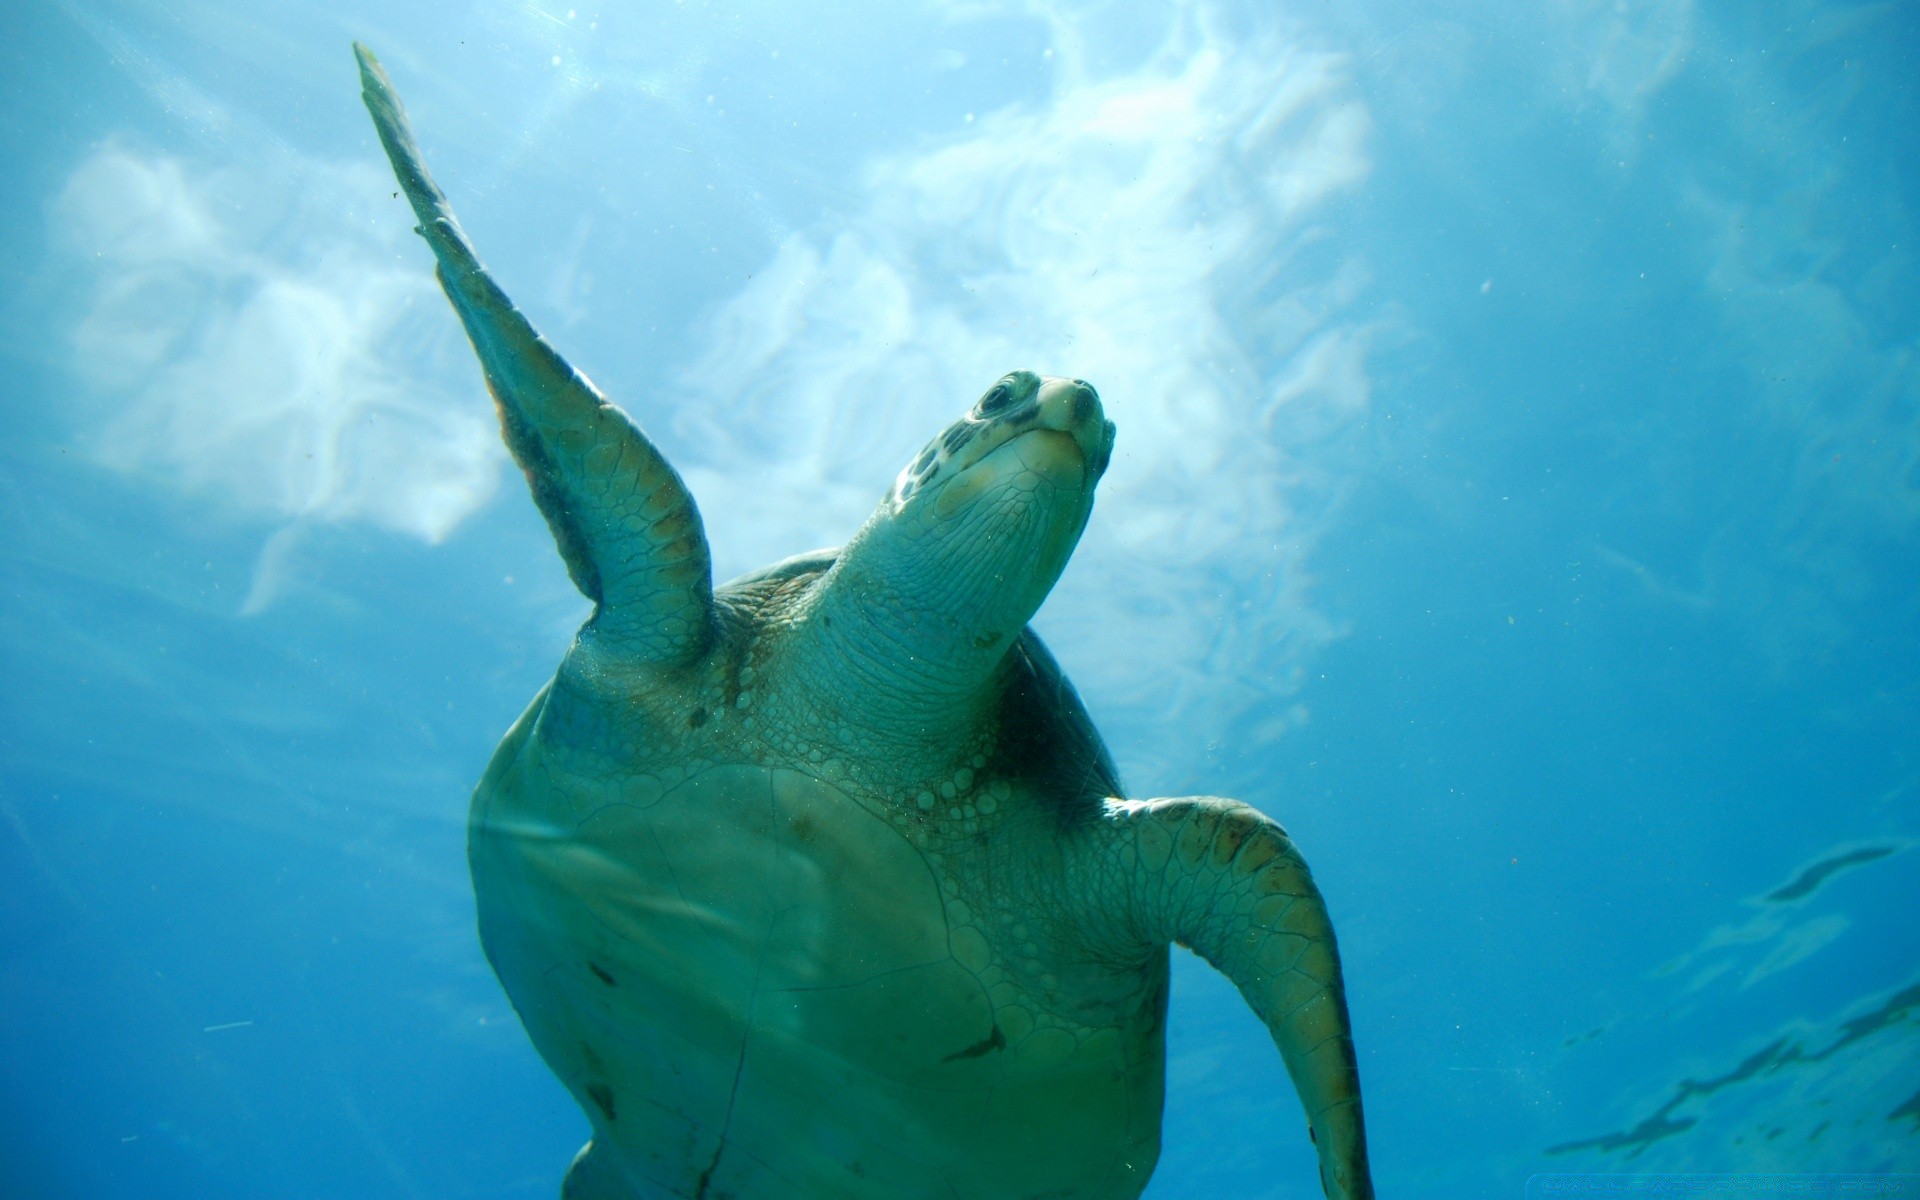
[(758, 981)]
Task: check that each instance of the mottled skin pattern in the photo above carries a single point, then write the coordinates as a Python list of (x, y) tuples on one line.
[(818, 885)]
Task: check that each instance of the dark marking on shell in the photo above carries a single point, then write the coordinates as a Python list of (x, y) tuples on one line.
[(600, 973), (986, 1045), (698, 718), (602, 1097)]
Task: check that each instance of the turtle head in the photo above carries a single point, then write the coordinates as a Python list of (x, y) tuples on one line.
[(989, 512), (940, 581)]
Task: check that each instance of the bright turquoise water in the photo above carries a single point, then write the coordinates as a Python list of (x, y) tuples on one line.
[(1517, 494)]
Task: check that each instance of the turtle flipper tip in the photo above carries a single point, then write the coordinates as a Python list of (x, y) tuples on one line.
[(375, 88), (429, 204), (373, 77)]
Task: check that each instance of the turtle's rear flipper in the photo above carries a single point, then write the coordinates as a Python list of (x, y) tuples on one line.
[(1221, 878), (624, 522)]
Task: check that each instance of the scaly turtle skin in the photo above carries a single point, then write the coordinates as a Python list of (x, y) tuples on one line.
[(818, 885)]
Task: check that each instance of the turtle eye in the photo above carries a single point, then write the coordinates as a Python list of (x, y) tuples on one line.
[(996, 400)]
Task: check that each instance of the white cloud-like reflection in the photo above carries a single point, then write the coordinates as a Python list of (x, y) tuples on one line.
[(265, 336), (1153, 232), (249, 337)]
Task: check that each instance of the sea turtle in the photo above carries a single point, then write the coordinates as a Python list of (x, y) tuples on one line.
[(819, 885)]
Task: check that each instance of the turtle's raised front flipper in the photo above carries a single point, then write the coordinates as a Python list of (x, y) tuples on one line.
[(1219, 877), (625, 523)]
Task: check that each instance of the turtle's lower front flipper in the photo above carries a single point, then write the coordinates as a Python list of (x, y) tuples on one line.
[(625, 523), (1221, 878)]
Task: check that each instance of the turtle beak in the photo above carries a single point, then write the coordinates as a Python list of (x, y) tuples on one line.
[(1072, 407)]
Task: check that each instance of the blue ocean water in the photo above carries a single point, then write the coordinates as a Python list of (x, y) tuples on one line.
[(1517, 494)]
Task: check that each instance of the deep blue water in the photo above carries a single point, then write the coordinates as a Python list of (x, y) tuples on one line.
[(1517, 494)]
